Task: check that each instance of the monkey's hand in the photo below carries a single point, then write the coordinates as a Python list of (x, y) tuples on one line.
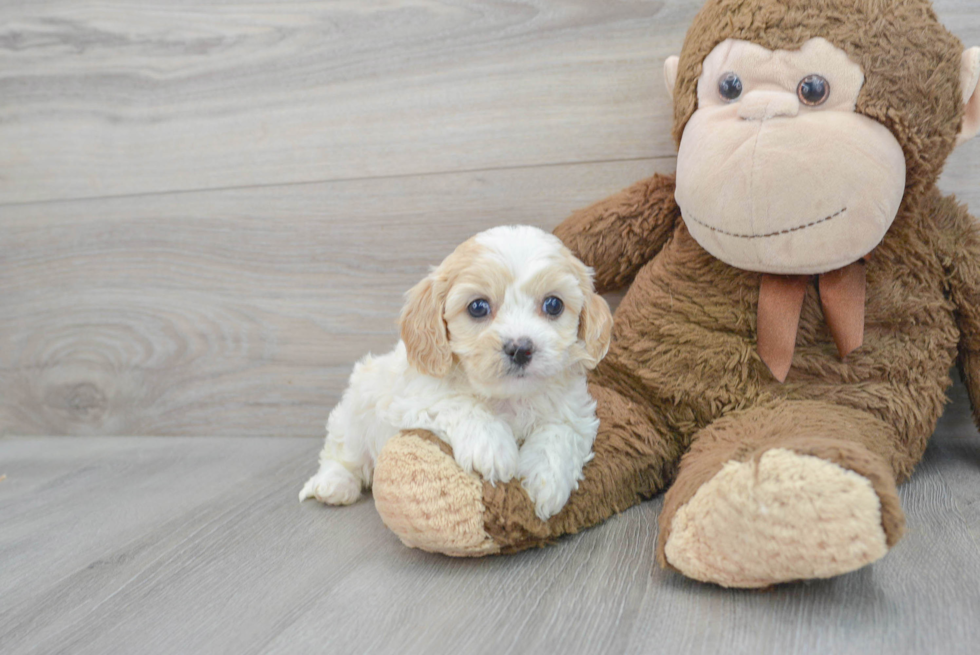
[(620, 234)]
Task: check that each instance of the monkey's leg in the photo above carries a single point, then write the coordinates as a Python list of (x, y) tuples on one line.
[(787, 491), (430, 503)]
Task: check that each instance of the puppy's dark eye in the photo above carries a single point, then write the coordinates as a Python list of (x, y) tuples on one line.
[(552, 306), (730, 87), (813, 90), (479, 308)]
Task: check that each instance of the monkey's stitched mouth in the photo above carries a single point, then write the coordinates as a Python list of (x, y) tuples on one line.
[(771, 234)]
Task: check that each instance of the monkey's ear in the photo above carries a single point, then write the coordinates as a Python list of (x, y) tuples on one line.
[(423, 329), (970, 83), (670, 73)]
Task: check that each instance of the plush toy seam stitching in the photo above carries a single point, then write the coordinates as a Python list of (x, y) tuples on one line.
[(771, 234)]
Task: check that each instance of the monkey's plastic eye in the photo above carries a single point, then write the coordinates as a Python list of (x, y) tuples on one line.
[(552, 306), (813, 90), (479, 308), (730, 87)]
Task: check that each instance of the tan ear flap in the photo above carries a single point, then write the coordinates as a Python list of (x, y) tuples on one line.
[(670, 73), (595, 328), (970, 83), (423, 329)]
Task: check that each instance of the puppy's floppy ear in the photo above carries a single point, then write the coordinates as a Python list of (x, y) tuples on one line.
[(423, 329), (595, 328), (970, 83), (595, 322)]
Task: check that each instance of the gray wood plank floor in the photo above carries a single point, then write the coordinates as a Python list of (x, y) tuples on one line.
[(197, 545)]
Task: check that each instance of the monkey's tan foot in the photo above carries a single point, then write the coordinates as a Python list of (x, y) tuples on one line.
[(426, 499), (779, 517)]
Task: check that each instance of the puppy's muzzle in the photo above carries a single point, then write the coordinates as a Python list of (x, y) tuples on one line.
[(519, 351)]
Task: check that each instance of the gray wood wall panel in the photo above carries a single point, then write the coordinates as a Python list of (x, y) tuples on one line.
[(134, 97), (235, 312), (208, 211)]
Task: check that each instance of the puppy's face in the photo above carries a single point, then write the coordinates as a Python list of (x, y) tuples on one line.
[(512, 308)]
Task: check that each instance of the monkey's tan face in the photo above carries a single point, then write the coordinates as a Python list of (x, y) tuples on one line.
[(776, 172)]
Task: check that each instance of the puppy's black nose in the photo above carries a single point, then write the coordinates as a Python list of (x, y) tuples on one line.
[(519, 351)]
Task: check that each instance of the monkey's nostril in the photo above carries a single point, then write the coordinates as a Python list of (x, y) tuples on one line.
[(519, 351)]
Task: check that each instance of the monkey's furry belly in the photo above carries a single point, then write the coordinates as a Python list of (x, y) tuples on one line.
[(684, 340)]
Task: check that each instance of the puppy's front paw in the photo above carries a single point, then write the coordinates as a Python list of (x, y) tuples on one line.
[(547, 481), (332, 485), (489, 448)]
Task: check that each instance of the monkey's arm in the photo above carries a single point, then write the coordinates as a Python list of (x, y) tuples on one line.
[(963, 267), (620, 234)]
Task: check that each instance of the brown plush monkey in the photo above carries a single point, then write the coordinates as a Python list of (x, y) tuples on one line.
[(797, 297)]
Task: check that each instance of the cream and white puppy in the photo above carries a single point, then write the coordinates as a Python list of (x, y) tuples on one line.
[(495, 345)]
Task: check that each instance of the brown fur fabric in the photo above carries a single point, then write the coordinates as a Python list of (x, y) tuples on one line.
[(960, 252), (625, 231), (683, 359), (683, 372), (683, 390)]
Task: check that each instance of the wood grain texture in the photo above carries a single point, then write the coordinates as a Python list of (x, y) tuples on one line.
[(209, 211), (237, 312), (134, 97), (167, 545)]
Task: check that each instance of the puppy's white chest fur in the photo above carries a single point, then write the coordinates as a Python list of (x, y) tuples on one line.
[(517, 414), (527, 414)]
